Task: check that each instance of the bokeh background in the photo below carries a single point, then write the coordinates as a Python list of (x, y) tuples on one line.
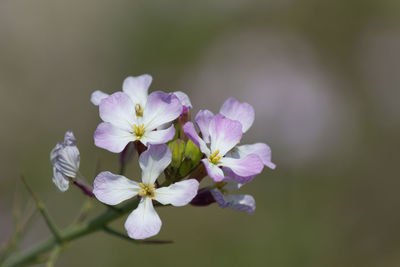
[(323, 77)]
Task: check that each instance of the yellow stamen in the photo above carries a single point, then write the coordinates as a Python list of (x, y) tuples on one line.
[(147, 190), (139, 131), (214, 158), (139, 110)]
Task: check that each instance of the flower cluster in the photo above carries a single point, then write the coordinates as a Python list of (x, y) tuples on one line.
[(172, 151)]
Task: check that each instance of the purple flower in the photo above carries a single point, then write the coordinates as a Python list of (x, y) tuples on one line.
[(219, 136), (137, 89), (144, 221), (221, 194), (125, 121), (244, 113), (65, 159)]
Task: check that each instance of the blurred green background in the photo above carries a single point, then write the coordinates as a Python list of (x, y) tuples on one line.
[(323, 77)]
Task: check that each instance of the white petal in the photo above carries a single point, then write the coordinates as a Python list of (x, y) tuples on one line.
[(97, 96), (137, 88), (158, 137), (160, 109), (153, 162), (203, 119), (248, 166), (242, 112), (60, 180), (118, 109), (144, 221), (112, 138), (260, 149), (213, 171), (177, 194), (224, 134), (112, 189), (68, 160)]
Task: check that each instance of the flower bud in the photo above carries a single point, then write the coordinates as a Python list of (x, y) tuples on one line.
[(193, 153), (177, 148)]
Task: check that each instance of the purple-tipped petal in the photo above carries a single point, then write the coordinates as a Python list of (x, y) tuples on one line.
[(113, 189), (242, 112), (244, 203), (118, 109), (97, 96), (184, 99), (260, 149), (137, 88), (159, 136), (213, 171), (177, 194), (191, 133), (160, 109), (248, 166), (224, 134), (111, 138), (60, 180), (237, 178), (144, 221), (153, 162), (203, 119)]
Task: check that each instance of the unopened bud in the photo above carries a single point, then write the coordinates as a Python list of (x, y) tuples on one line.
[(177, 148)]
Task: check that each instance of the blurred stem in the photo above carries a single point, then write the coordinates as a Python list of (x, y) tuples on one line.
[(54, 256), (42, 209), (72, 233)]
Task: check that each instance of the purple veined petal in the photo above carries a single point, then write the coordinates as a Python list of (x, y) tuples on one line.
[(242, 112), (184, 99), (213, 171), (248, 166), (137, 88), (69, 139), (260, 149), (54, 152), (113, 189), (244, 203), (240, 179), (60, 180), (177, 194), (157, 137), (144, 221), (160, 109), (119, 110), (97, 96), (153, 162), (112, 138), (219, 198), (203, 119), (68, 160), (191, 133), (224, 134)]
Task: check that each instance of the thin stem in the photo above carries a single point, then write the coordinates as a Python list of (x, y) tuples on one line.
[(55, 253), (72, 233), (42, 209)]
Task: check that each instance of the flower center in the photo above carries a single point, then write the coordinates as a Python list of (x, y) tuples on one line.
[(147, 190), (214, 158), (139, 131), (139, 110)]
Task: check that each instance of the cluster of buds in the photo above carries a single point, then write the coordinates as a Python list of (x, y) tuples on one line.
[(158, 126)]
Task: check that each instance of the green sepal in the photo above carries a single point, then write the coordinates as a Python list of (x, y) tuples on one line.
[(177, 148), (193, 152)]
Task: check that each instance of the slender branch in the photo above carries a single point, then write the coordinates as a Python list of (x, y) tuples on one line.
[(72, 233), (55, 253), (41, 207)]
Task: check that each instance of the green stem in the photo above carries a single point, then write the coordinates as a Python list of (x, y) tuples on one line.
[(54, 256), (72, 233)]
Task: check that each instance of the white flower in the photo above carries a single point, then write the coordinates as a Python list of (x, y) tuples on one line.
[(144, 221)]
